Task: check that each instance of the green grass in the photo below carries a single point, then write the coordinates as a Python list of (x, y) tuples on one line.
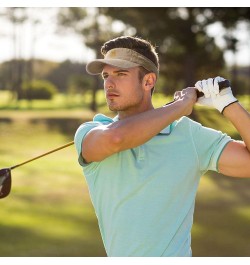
[(59, 102), (49, 211), (222, 217)]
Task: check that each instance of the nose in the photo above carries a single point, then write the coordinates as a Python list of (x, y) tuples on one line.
[(109, 83)]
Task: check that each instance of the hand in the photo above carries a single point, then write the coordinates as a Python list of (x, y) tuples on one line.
[(213, 97), (188, 98)]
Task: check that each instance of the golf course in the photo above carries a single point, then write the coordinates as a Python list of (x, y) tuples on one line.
[(48, 212)]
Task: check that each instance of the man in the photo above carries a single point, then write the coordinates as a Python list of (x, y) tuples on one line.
[(143, 167)]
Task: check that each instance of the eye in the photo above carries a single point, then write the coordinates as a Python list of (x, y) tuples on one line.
[(121, 74), (104, 76)]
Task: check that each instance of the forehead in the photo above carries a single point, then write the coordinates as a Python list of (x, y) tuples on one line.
[(110, 69)]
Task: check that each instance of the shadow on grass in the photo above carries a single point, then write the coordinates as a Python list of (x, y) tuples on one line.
[(53, 232), (21, 242), (5, 120), (66, 126)]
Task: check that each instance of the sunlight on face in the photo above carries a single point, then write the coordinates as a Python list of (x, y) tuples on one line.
[(123, 89)]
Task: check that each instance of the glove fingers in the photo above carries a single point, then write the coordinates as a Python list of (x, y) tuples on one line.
[(219, 79), (205, 88), (212, 96), (211, 88), (216, 84), (198, 85)]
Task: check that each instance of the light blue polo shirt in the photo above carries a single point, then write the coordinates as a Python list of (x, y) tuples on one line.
[(144, 197)]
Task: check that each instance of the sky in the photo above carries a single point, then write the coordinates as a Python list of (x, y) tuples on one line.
[(42, 41), (49, 44)]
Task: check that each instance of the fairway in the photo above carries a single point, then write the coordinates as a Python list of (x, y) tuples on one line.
[(49, 211), (142, 188)]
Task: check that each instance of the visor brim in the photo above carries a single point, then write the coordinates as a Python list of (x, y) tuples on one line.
[(95, 67)]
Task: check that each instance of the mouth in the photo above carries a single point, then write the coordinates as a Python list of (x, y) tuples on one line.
[(111, 95)]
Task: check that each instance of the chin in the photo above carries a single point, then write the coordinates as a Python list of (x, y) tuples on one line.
[(112, 108), (112, 105)]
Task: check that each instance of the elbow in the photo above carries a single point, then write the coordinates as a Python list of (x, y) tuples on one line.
[(115, 140)]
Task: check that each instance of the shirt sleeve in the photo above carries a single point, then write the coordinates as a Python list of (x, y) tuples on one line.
[(209, 145), (79, 136)]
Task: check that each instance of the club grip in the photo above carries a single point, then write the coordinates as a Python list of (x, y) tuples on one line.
[(223, 84)]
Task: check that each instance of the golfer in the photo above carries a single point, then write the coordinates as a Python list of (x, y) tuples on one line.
[(143, 167)]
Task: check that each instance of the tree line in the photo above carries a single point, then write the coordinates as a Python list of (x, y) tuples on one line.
[(187, 53)]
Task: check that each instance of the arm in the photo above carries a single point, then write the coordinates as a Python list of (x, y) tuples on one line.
[(235, 159), (133, 131)]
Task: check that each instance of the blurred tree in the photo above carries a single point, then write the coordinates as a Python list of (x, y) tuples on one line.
[(19, 69), (186, 52), (60, 75), (38, 89), (94, 29), (79, 84), (43, 68), (57, 73), (5, 76), (230, 17), (34, 22), (17, 16)]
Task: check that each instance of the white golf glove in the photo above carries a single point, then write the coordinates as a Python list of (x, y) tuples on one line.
[(213, 97)]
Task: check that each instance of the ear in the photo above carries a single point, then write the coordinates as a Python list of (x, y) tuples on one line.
[(149, 81)]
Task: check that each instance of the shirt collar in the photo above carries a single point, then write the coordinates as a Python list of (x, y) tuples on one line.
[(165, 131)]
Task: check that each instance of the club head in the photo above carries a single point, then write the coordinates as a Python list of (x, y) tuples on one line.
[(5, 182)]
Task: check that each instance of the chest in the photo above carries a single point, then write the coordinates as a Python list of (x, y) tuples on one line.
[(161, 162)]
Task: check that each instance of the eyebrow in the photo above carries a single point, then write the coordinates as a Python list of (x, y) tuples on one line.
[(117, 71)]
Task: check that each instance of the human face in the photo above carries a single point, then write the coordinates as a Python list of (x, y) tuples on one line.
[(123, 89)]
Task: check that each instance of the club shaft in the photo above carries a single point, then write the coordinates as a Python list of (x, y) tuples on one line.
[(222, 85), (47, 153)]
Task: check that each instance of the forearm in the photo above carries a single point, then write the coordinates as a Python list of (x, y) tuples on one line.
[(135, 130), (240, 118), (138, 129), (235, 159)]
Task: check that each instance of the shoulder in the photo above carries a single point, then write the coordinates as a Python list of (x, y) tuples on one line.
[(83, 129), (196, 130), (98, 120), (185, 124)]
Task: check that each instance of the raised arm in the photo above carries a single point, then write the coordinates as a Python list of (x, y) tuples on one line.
[(235, 158), (133, 131)]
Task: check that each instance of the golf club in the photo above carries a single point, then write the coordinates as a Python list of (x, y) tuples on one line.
[(223, 84), (5, 173)]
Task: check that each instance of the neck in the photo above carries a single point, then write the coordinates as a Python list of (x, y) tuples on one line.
[(134, 111)]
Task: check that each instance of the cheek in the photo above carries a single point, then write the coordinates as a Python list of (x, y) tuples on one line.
[(131, 93), (137, 91), (133, 97), (134, 87)]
